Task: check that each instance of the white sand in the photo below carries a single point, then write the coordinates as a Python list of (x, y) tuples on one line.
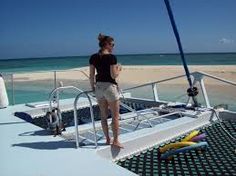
[(138, 74)]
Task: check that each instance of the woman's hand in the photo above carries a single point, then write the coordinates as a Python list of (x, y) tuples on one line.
[(119, 67), (115, 70)]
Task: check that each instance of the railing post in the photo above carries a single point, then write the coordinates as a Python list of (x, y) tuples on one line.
[(56, 98), (199, 77), (204, 92), (13, 89), (155, 94), (76, 123), (55, 79)]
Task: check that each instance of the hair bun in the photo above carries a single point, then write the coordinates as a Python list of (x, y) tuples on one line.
[(101, 37)]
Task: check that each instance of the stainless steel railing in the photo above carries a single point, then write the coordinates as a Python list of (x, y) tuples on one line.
[(52, 99), (197, 76), (57, 91), (91, 115), (11, 79)]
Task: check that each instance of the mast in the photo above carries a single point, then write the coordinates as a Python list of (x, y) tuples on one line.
[(192, 91)]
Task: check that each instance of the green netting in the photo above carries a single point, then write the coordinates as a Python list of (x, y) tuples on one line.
[(218, 159)]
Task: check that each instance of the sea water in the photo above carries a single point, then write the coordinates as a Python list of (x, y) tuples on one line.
[(61, 63), (32, 91)]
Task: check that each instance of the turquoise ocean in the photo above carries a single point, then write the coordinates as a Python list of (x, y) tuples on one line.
[(61, 63), (30, 91)]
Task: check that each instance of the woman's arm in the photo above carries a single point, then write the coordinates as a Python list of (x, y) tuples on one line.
[(115, 70), (92, 77)]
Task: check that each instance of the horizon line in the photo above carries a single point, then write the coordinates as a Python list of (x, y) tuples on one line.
[(161, 53)]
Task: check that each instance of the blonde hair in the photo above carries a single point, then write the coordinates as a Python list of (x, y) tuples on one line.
[(104, 39)]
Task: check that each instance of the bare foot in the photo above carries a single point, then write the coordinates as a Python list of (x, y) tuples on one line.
[(108, 141), (117, 144)]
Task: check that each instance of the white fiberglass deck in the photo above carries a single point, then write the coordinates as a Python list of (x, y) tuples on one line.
[(25, 149)]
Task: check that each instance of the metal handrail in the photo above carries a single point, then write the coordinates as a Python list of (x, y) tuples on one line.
[(155, 82), (143, 85), (11, 74), (216, 78), (91, 115), (57, 90), (198, 76), (176, 77), (81, 92), (45, 71)]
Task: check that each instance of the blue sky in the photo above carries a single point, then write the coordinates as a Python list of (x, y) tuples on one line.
[(41, 28)]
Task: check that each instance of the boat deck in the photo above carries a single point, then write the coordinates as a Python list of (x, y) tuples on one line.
[(32, 150), (27, 149)]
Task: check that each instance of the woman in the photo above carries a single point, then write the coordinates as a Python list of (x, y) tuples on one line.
[(105, 85)]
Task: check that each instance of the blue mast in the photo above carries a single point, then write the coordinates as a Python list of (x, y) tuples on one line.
[(172, 20)]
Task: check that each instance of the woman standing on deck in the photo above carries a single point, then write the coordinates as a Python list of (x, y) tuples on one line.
[(105, 85)]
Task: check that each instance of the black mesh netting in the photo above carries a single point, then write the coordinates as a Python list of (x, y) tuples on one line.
[(218, 159)]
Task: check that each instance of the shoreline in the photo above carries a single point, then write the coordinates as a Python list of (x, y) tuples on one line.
[(131, 76), (135, 74)]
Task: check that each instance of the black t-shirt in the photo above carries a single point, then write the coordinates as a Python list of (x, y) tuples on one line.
[(102, 64)]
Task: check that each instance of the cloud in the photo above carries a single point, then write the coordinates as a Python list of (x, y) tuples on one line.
[(226, 41)]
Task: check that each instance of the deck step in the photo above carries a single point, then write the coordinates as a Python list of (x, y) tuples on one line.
[(86, 137)]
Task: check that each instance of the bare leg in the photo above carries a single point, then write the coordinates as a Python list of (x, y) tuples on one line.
[(115, 108), (103, 106)]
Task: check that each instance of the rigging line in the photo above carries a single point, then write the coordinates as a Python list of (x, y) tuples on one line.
[(221, 124), (172, 20)]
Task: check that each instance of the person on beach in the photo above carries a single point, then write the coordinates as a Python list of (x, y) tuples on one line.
[(105, 86)]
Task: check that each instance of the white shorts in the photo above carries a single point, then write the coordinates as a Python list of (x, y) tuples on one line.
[(107, 91)]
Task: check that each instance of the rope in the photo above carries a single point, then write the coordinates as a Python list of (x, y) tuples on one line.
[(221, 125)]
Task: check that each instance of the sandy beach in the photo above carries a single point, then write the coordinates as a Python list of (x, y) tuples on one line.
[(143, 74), (131, 76), (137, 74)]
